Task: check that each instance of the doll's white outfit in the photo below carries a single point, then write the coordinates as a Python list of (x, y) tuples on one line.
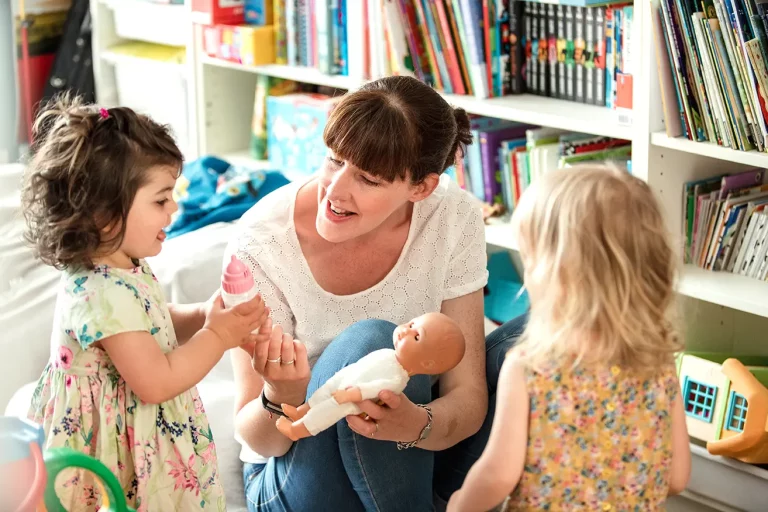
[(378, 371)]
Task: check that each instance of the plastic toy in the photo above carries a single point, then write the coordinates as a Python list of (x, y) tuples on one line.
[(28, 476), (726, 403), (428, 345)]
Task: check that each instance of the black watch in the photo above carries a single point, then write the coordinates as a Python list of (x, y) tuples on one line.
[(271, 407)]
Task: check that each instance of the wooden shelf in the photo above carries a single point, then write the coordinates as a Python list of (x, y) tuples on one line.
[(726, 289), (525, 108), (710, 149)]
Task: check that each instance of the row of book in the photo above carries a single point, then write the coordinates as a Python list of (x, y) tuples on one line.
[(484, 48), (711, 57), (580, 54), (506, 157), (725, 223)]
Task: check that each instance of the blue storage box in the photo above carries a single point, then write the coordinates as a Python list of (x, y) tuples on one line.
[(295, 124)]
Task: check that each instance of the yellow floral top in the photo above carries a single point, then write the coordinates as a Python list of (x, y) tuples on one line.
[(598, 439)]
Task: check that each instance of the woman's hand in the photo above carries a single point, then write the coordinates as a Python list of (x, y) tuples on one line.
[(282, 363), (396, 419)]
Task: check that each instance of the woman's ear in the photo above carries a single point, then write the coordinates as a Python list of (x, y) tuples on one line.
[(425, 188)]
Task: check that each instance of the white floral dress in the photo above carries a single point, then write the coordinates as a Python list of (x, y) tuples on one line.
[(163, 455)]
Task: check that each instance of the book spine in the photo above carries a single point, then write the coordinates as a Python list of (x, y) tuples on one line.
[(579, 45), (552, 48), (570, 63), (561, 52), (517, 47)]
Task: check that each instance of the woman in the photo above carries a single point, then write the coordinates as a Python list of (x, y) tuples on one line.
[(375, 234)]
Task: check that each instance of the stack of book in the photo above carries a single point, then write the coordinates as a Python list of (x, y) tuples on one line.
[(483, 48), (725, 223), (712, 68), (507, 157)]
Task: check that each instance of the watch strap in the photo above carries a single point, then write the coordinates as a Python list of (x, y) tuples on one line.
[(271, 407)]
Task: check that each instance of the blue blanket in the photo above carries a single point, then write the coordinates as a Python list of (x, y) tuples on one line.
[(211, 190)]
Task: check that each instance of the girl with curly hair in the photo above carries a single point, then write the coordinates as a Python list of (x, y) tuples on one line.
[(120, 384)]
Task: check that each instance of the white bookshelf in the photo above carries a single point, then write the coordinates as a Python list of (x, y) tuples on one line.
[(710, 150), (725, 308), (526, 108), (119, 21)]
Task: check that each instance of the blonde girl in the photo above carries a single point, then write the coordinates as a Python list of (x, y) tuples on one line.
[(589, 414)]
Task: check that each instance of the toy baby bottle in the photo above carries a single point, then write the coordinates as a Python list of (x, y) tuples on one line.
[(22, 467), (237, 283)]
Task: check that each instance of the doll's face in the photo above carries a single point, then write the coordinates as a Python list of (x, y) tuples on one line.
[(410, 333)]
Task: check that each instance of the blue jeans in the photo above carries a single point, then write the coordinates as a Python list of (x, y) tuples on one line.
[(341, 471)]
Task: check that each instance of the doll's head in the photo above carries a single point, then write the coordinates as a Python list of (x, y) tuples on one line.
[(430, 344)]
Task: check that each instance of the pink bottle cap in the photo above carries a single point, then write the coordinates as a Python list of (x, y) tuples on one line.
[(237, 277)]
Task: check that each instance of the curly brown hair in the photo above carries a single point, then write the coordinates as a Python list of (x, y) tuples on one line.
[(85, 167)]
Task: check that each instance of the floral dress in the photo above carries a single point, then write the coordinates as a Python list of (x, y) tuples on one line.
[(163, 455), (599, 439)]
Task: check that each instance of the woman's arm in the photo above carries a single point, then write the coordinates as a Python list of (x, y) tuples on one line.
[(187, 319), (495, 475), (463, 403), (253, 423)]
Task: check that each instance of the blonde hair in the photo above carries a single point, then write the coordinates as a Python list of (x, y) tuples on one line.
[(600, 271)]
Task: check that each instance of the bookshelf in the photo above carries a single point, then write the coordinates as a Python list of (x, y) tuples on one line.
[(526, 108), (722, 309), (710, 150)]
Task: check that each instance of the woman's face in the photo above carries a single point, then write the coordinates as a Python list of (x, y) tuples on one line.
[(352, 202)]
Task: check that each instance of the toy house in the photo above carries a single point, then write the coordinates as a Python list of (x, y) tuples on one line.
[(726, 403)]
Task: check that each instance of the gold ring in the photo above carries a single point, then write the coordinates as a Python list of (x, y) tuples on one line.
[(278, 360), (289, 362), (375, 431)]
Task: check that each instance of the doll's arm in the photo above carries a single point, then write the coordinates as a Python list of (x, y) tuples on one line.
[(349, 395)]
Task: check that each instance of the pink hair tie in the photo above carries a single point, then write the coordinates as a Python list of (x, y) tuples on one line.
[(104, 113)]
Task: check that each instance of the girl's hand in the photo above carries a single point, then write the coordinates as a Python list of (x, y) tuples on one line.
[(234, 326), (283, 364), (396, 419)]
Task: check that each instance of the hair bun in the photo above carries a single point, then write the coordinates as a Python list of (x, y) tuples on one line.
[(463, 135)]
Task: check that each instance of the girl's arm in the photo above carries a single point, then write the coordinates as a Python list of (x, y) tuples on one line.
[(681, 449), (496, 474), (156, 376), (187, 319)]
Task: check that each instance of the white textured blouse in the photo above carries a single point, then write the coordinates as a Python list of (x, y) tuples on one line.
[(443, 258)]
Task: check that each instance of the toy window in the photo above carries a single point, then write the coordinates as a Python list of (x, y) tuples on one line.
[(737, 412), (699, 400)]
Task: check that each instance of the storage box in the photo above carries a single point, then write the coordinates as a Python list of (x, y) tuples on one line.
[(215, 12), (243, 44), (256, 45), (295, 125), (258, 12)]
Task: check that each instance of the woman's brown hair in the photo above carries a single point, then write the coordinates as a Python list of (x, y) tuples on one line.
[(85, 167), (396, 127)]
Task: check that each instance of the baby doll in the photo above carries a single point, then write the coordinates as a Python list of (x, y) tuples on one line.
[(427, 345)]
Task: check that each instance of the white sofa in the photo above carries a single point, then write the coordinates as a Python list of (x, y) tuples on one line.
[(189, 269)]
